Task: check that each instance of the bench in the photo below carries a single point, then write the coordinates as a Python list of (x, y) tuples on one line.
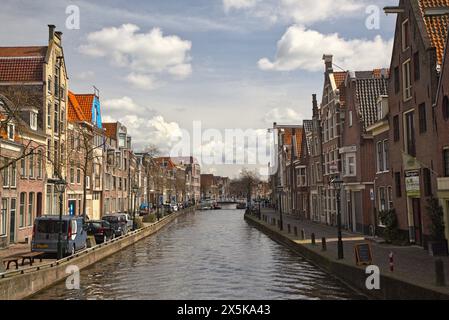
[(31, 256)]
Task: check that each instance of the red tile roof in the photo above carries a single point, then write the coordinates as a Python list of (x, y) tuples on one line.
[(21, 69), (436, 26), (22, 64), (74, 111), (111, 130), (299, 137), (86, 101), (340, 78)]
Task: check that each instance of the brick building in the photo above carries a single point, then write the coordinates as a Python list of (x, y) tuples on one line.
[(417, 58)]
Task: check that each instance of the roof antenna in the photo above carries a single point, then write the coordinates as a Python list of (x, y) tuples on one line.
[(96, 92)]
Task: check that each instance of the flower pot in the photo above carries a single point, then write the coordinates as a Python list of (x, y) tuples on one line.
[(438, 248)]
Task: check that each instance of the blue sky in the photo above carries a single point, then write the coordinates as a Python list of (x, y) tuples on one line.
[(229, 63)]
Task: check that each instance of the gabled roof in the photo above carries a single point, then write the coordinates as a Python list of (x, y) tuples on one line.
[(308, 130), (111, 130), (340, 78), (436, 26), (22, 64), (370, 85), (288, 139), (86, 102), (170, 164), (74, 111)]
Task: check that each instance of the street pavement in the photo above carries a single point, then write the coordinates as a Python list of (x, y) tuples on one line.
[(412, 264)]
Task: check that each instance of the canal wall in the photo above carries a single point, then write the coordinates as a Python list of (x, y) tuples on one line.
[(355, 277), (24, 283)]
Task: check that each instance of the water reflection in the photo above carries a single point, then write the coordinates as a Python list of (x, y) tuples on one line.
[(206, 255)]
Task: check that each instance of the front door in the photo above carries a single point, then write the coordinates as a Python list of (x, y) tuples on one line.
[(417, 221), (12, 230)]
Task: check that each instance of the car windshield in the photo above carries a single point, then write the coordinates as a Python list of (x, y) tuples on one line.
[(95, 225), (50, 226), (111, 219)]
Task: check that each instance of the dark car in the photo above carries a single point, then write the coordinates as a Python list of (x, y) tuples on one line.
[(101, 230), (117, 224)]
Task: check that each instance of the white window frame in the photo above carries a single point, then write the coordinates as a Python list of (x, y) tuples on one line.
[(349, 166), (407, 80), (404, 35), (11, 128)]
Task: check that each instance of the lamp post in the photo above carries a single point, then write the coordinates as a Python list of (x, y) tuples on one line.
[(135, 189), (338, 183), (60, 186)]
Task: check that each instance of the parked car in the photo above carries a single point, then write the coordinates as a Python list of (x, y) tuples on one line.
[(174, 207), (126, 218), (119, 225), (167, 209), (101, 230), (46, 233)]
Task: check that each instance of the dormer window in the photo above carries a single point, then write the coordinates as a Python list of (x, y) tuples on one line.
[(33, 120), (10, 131)]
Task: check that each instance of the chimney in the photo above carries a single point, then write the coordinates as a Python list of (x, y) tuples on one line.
[(51, 31), (315, 106), (328, 61)]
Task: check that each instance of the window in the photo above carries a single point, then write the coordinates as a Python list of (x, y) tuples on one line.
[(397, 179), (386, 156), (382, 199), (350, 118), (49, 115), (427, 180), (417, 66), (422, 118), (57, 78), (87, 182), (397, 82), (446, 162), (380, 157), (49, 84), (3, 213), (23, 168), (33, 120), (405, 35), (22, 200), (78, 176), (410, 134), (49, 150), (445, 108), (13, 175), (39, 164), (301, 178), (349, 165), (407, 81), (396, 130), (5, 175), (56, 120), (390, 198), (11, 128), (31, 165), (30, 208), (13, 208), (72, 175)]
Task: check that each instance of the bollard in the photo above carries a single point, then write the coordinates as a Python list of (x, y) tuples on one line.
[(303, 235), (391, 258), (323, 244), (295, 229), (312, 236), (439, 273), (289, 228)]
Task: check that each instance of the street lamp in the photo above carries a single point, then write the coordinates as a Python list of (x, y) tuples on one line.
[(135, 191), (338, 183), (59, 185)]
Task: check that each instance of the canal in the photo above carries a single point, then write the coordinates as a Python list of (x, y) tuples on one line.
[(204, 255)]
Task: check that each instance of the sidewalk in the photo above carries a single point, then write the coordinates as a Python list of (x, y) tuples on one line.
[(412, 264)]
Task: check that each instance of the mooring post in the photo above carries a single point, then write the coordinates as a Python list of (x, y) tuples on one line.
[(323, 244), (439, 273)]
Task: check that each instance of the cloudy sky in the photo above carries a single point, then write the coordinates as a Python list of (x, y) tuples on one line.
[(232, 64)]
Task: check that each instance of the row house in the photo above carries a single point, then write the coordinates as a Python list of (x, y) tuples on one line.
[(331, 116), (85, 155), (302, 172), (209, 189), (22, 188), (118, 152), (289, 141), (363, 89), (36, 77), (415, 157), (441, 111), (193, 176), (169, 185)]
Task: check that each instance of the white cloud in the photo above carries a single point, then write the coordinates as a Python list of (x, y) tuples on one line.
[(238, 4), (144, 54), (283, 116), (300, 48), (304, 12), (141, 81)]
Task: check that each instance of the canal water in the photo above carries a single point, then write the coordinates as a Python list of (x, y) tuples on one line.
[(205, 255)]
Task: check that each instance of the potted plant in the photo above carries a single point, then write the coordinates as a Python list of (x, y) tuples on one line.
[(390, 220), (438, 243)]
